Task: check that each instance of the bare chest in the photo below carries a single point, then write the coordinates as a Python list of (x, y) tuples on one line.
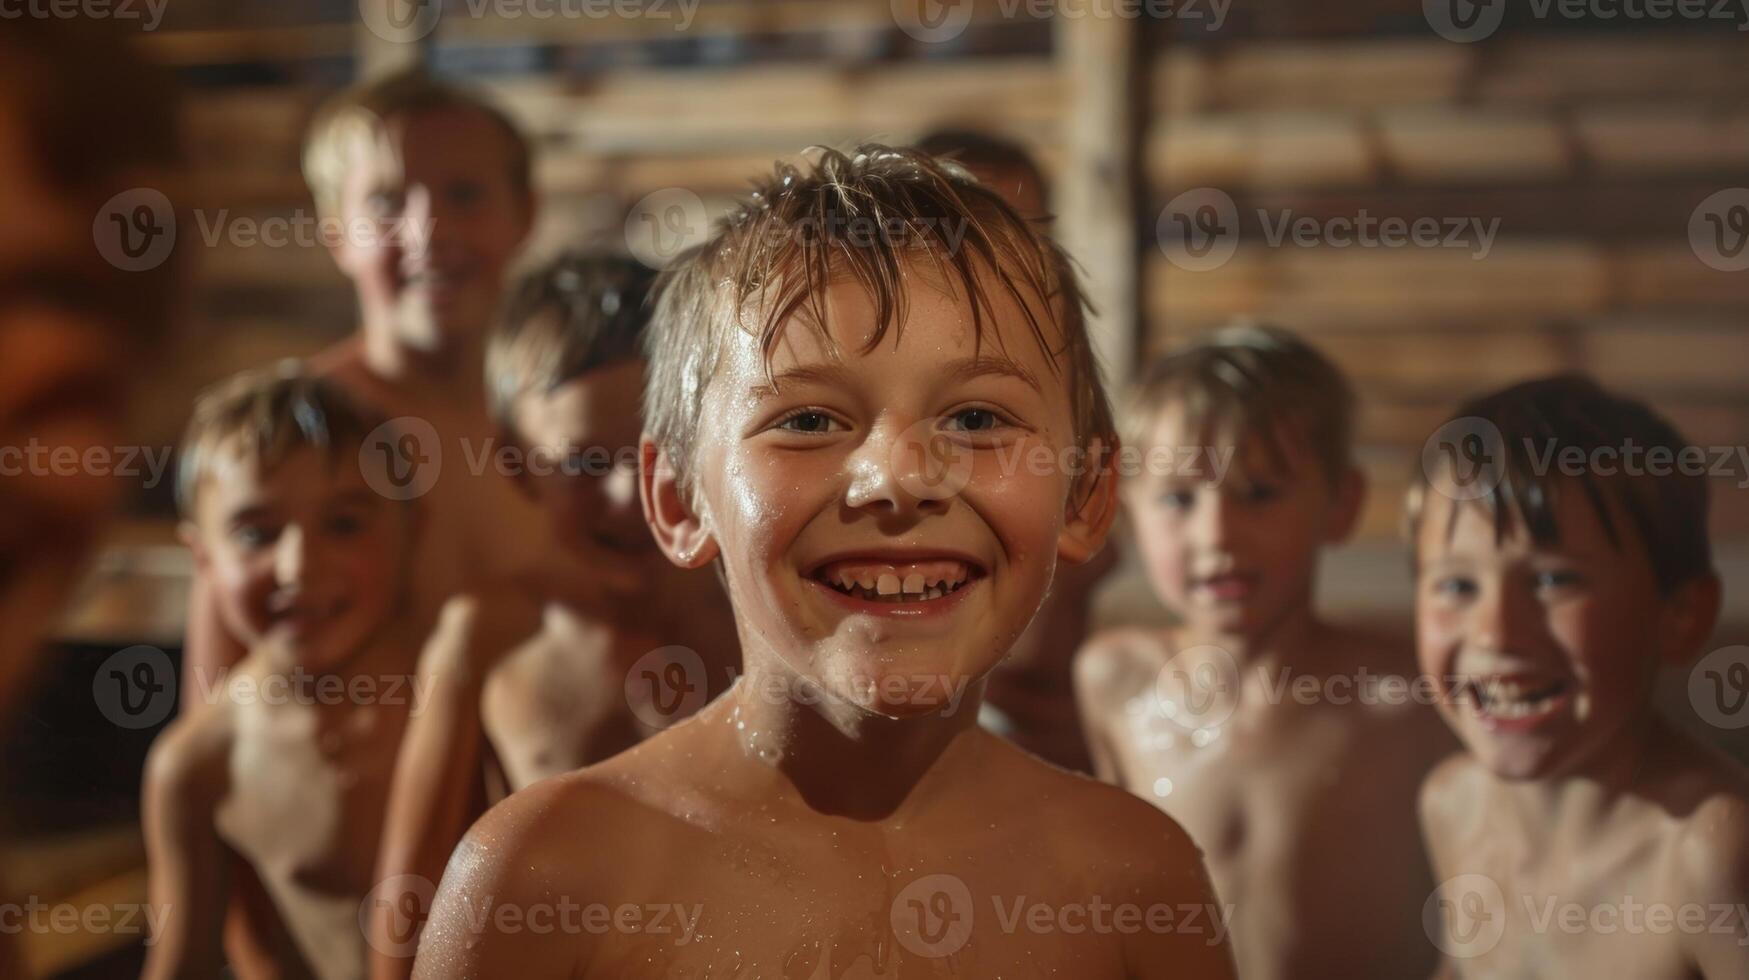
[(833, 905), (306, 806), (1598, 910)]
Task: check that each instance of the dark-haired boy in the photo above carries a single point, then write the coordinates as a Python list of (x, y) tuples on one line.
[(1580, 835), (565, 377), (838, 812), (1253, 720)]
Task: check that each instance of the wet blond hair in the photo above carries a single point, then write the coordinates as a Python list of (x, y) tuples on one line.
[(1250, 379), (802, 229), (361, 112)]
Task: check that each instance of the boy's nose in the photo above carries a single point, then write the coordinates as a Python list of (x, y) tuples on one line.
[(289, 556), (1211, 523), (1505, 619), (905, 471)]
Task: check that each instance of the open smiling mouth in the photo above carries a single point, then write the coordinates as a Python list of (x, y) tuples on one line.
[(897, 582), (1515, 701)]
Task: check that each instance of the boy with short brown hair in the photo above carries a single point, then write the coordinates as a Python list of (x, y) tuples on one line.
[(284, 763), (832, 375), (1245, 437), (1556, 570)]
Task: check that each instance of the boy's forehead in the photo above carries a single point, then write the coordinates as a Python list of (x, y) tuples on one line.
[(932, 322), (384, 147), (1497, 523), (1255, 446)]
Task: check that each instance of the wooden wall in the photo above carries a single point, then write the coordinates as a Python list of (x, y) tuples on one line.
[(1591, 144)]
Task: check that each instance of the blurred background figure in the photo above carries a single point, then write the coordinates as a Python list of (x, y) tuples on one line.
[(1442, 204), (88, 156)]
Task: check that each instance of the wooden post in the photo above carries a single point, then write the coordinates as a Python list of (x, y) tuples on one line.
[(392, 34), (1100, 59)]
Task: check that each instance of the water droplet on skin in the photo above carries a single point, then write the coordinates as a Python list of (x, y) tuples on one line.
[(1162, 786)]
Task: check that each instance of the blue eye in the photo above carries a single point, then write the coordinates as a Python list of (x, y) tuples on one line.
[(1455, 587), (1177, 499), (1558, 579), (807, 421), (252, 535), (975, 420)]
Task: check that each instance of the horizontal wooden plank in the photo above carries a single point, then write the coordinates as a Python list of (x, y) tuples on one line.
[(1393, 72), (1517, 282), (1443, 145)]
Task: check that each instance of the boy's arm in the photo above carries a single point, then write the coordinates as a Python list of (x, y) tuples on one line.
[(1428, 805), (186, 858), (434, 793), (1093, 668), (1185, 925)]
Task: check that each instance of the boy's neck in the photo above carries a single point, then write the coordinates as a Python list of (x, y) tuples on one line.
[(1292, 641), (1571, 804), (454, 370), (841, 760)]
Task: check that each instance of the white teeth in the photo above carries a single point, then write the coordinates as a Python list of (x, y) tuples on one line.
[(888, 584), (866, 579), (913, 583)]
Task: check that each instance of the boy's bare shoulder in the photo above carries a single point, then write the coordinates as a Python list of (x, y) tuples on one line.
[(1116, 832), (558, 823), (190, 761), (1708, 796), (1115, 662), (1453, 788)]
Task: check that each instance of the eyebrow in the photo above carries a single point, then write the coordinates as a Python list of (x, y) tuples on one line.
[(964, 369)]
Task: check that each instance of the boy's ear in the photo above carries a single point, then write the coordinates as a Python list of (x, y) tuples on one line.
[(1692, 613), (1093, 505), (1347, 500), (683, 535), (190, 536)]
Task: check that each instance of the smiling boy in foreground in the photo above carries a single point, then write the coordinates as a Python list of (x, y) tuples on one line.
[(832, 375)]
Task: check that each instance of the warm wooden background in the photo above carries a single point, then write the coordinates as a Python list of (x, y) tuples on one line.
[(1591, 143)]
